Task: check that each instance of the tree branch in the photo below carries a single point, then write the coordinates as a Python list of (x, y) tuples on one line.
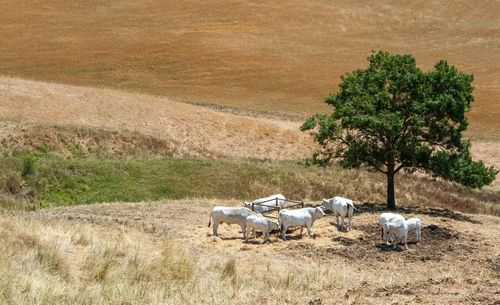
[(399, 167)]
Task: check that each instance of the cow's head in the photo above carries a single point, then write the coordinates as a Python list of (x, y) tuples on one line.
[(275, 225), (318, 212)]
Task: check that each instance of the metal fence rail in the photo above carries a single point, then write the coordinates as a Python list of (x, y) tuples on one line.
[(276, 207)]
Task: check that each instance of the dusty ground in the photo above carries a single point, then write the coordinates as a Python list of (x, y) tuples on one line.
[(458, 260)]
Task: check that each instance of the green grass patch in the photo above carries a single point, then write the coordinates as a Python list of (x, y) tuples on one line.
[(36, 180), (48, 180)]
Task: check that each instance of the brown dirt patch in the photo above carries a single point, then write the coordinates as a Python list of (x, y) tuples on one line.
[(457, 255)]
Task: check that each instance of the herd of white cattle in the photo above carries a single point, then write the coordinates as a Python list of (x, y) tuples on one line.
[(394, 226)]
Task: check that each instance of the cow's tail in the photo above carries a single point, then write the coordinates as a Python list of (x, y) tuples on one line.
[(210, 219), (349, 213)]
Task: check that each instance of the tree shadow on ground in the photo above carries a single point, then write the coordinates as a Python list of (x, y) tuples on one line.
[(373, 208), (231, 238), (385, 247)]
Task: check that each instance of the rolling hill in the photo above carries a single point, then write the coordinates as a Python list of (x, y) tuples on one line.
[(122, 123), (260, 55)]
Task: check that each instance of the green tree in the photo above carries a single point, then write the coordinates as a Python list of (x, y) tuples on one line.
[(393, 115)]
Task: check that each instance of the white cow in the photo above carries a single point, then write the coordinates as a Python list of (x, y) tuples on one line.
[(397, 230), (266, 203), (415, 224), (261, 223), (230, 215), (304, 217), (342, 207), (384, 218)]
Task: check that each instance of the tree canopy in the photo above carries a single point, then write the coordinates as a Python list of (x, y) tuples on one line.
[(394, 116)]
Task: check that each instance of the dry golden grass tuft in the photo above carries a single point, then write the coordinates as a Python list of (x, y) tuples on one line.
[(55, 263), (110, 253)]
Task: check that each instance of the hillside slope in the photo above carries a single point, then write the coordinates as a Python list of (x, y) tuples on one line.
[(184, 130), (203, 130), (260, 55)]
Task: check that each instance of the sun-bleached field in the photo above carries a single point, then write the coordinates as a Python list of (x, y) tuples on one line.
[(260, 55)]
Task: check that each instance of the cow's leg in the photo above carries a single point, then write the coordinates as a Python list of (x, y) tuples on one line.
[(386, 237), (309, 229), (406, 237), (337, 217), (283, 232), (216, 225), (244, 229), (248, 232), (301, 231), (342, 224), (350, 221), (254, 234)]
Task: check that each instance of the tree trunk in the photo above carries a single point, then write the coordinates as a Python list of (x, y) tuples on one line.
[(391, 203)]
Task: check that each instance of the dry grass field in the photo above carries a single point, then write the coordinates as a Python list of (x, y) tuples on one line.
[(229, 80), (211, 133), (184, 130), (163, 253), (260, 55)]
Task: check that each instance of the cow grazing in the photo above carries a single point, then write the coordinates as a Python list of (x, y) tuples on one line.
[(342, 207), (384, 218), (302, 217), (266, 204), (397, 230), (261, 223), (415, 224), (230, 215)]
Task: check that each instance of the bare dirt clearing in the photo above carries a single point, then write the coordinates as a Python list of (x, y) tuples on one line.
[(456, 262)]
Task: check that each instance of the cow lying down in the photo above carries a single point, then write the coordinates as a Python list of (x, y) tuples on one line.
[(230, 215)]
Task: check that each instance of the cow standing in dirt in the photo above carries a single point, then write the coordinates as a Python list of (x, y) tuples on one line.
[(230, 215)]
